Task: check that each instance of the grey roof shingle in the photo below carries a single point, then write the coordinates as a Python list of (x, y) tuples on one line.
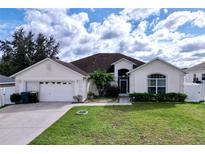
[(200, 66), (102, 61), (71, 66), (5, 79)]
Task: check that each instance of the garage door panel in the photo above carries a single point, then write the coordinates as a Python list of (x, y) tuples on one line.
[(56, 91)]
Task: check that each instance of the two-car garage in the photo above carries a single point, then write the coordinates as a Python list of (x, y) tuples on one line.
[(56, 91), (54, 80)]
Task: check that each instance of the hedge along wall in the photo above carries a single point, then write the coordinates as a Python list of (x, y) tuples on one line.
[(147, 97)]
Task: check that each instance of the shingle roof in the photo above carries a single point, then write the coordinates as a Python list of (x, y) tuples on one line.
[(71, 66), (200, 66), (5, 79), (102, 61)]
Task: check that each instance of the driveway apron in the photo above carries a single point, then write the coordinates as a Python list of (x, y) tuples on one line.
[(20, 124)]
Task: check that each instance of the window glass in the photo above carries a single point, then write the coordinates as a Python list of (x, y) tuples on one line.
[(151, 82), (156, 83), (161, 90), (161, 82), (156, 76), (152, 90)]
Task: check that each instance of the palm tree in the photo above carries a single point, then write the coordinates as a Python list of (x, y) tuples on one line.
[(101, 79)]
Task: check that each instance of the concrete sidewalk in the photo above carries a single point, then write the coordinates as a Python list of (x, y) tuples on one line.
[(102, 104)]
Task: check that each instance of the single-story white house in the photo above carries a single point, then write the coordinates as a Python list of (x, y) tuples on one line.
[(56, 80)]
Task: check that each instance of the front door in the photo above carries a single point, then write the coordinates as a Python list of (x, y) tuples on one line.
[(123, 86)]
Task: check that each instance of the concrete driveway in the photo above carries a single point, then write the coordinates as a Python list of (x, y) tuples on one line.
[(20, 124)]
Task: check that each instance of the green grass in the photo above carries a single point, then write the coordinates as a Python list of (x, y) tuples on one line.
[(138, 124)]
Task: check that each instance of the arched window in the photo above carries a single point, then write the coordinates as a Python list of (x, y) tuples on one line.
[(156, 83)]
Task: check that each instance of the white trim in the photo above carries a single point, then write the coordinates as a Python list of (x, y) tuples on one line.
[(2, 83), (122, 60), (159, 59), (42, 61)]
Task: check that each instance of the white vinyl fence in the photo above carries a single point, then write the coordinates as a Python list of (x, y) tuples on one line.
[(5, 95), (195, 92)]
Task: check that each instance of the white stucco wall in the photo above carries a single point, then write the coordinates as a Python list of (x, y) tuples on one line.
[(123, 64), (190, 74), (51, 71), (92, 88), (174, 77)]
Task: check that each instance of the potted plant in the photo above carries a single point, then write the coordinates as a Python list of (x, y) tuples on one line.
[(78, 98)]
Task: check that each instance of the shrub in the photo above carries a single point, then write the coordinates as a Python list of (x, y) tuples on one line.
[(91, 95), (112, 91), (168, 97), (181, 97), (161, 97), (176, 97), (142, 97), (78, 98), (16, 98)]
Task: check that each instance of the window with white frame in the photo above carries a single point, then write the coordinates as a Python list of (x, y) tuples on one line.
[(156, 83)]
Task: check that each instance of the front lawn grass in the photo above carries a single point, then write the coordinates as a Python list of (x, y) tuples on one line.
[(143, 123)]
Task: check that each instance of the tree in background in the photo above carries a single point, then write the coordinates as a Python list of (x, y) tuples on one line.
[(101, 79), (24, 50)]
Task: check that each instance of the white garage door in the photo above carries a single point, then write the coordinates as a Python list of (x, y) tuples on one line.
[(56, 91)]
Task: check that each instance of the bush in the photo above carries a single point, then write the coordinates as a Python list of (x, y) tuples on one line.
[(91, 95), (181, 97), (142, 97), (16, 98), (112, 91), (168, 97), (78, 98)]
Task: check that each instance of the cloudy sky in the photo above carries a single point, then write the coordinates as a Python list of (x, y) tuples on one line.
[(176, 35)]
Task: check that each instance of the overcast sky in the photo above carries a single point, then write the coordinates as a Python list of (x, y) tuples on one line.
[(176, 35)]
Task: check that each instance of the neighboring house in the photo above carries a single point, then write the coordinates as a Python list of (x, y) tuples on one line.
[(60, 81), (194, 83), (195, 74), (6, 81), (6, 89)]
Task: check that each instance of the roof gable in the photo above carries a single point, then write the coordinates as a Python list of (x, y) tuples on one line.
[(197, 67), (61, 63), (157, 59), (122, 59), (102, 61)]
